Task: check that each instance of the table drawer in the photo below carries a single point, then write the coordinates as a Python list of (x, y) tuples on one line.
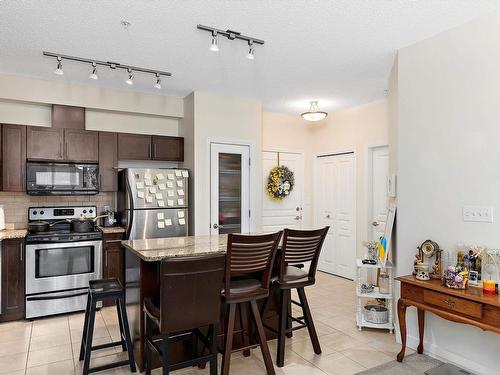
[(448, 302)]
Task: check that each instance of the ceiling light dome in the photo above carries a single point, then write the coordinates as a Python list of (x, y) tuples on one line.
[(157, 85), (93, 75), (314, 114), (251, 51), (130, 80), (59, 70), (215, 43)]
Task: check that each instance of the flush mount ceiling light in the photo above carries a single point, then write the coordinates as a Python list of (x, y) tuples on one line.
[(59, 71), (93, 75), (314, 114), (112, 65), (231, 35)]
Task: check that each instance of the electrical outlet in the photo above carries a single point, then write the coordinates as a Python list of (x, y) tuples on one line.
[(478, 214)]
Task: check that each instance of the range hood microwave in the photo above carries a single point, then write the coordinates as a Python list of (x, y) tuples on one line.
[(61, 179)]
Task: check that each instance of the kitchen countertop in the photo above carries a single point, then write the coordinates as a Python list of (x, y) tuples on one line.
[(12, 233), (111, 230), (158, 249)]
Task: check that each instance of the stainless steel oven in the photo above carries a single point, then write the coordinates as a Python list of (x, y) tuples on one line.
[(58, 274), (61, 179)]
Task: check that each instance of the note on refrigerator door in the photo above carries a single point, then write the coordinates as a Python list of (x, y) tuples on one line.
[(139, 185), (170, 193), (160, 216), (170, 202), (159, 196), (161, 186), (140, 194), (161, 203), (149, 199), (161, 224), (180, 183), (180, 214), (152, 190), (147, 176), (180, 202), (178, 173), (182, 222), (168, 222), (180, 192), (170, 184), (160, 176), (170, 176), (185, 174)]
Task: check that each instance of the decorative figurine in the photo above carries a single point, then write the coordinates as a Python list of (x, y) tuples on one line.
[(456, 277), (422, 268)]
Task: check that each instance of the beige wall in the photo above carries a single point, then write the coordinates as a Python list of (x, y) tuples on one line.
[(282, 132), (447, 135), (355, 129)]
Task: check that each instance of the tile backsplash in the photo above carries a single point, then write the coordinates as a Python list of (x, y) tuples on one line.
[(16, 204)]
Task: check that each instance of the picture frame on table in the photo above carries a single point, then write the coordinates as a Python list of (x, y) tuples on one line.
[(473, 278)]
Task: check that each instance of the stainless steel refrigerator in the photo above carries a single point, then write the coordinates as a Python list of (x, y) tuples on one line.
[(154, 202)]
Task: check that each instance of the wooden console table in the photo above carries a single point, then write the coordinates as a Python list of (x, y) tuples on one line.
[(468, 306)]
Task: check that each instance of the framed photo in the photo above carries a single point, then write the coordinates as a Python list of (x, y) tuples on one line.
[(473, 277)]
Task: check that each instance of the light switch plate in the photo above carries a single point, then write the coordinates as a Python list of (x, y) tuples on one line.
[(480, 214)]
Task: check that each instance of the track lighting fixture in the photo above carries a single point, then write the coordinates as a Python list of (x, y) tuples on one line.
[(130, 80), (251, 51), (131, 70), (157, 85), (231, 35), (314, 114), (94, 72), (59, 71)]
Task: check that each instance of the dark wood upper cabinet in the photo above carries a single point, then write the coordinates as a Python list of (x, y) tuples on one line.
[(68, 117), (134, 147), (81, 145), (168, 148), (108, 161), (13, 157), (45, 143), (12, 279)]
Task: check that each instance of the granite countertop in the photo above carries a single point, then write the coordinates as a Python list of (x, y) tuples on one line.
[(158, 249), (6, 234), (111, 230)]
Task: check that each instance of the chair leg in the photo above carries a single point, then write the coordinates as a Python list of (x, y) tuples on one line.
[(228, 344), (88, 336), (213, 350), (309, 321), (147, 348), (194, 345), (85, 328), (122, 333), (122, 315), (164, 354), (266, 355), (245, 330), (289, 333), (282, 322)]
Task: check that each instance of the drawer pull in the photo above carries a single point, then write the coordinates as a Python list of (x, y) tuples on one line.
[(450, 303)]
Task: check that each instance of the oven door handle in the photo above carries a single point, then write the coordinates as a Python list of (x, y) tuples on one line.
[(42, 298)]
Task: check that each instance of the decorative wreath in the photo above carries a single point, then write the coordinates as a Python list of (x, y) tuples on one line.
[(280, 182)]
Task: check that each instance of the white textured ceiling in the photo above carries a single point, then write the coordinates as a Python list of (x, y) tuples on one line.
[(338, 52)]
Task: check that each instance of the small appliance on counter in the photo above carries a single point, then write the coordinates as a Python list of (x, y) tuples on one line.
[(112, 218)]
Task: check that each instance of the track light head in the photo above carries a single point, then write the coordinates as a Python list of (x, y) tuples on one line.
[(251, 51), (130, 80), (59, 70), (157, 85), (93, 75), (214, 47)]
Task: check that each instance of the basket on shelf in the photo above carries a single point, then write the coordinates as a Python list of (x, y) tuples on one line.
[(376, 314)]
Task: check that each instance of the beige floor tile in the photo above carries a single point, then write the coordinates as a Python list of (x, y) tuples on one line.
[(45, 356), (18, 346), (55, 368), (299, 369), (99, 361), (99, 332), (337, 364), (291, 357), (15, 334), (96, 353), (366, 356), (50, 327), (49, 341), (11, 363)]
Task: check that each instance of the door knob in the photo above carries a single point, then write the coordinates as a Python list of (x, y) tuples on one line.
[(375, 223), (297, 217), (328, 216), (216, 226)]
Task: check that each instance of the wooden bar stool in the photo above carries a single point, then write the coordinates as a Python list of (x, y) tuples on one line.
[(299, 246), (100, 291), (189, 300), (249, 262)]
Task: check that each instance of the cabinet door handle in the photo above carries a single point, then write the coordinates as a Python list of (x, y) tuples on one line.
[(100, 181), (154, 150), (150, 151), (106, 259), (21, 252), (450, 303), (110, 241)]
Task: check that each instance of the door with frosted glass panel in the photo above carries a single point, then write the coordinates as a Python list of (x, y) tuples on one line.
[(229, 188)]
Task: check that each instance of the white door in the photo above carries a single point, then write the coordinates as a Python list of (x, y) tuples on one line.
[(286, 213), (229, 188), (378, 195), (335, 206)]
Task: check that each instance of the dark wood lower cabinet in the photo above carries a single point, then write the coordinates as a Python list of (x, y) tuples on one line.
[(13, 291), (113, 258)]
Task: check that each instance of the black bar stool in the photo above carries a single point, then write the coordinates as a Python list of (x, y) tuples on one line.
[(189, 301), (102, 290), (299, 246), (247, 256)]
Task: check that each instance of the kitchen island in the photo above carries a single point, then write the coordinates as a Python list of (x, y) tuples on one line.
[(142, 280)]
